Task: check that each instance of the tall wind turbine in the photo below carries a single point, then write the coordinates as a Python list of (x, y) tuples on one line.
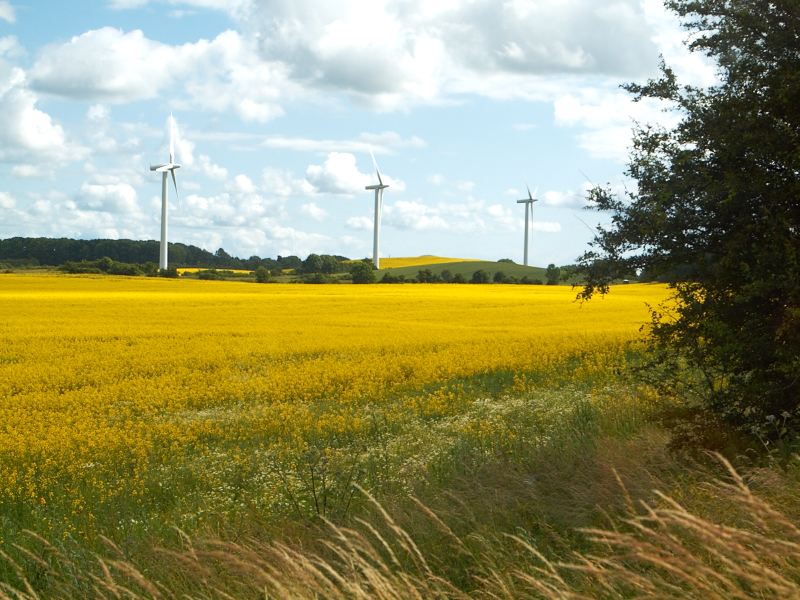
[(170, 168), (376, 257), (528, 202)]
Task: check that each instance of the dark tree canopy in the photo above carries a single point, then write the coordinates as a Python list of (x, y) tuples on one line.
[(717, 213)]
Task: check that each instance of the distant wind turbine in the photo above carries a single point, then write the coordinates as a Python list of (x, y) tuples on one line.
[(376, 257), (528, 202), (170, 168)]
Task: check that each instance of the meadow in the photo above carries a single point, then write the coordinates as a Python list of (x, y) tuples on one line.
[(147, 412)]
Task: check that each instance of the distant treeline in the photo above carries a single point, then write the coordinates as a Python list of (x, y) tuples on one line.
[(59, 251)]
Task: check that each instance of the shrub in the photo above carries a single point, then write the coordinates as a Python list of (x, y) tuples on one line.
[(262, 275), (480, 276), (362, 272)]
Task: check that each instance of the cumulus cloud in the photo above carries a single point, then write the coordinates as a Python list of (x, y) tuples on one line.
[(118, 198), (468, 216), (380, 143), (314, 211), (6, 201), (360, 223), (607, 117), (108, 64), (26, 132), (7, 12), (391, 53), (339, 174), (211, 169), (281, 182), (25, 171)]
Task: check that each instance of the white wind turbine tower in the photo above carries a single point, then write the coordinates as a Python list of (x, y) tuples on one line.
[(528, 202), (376, 258), (170, 168)]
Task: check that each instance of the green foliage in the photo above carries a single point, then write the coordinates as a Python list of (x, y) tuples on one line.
[(312, 264), (715, 213), (480, 276), (552, 274), (318, 278), (262, 275), (500, 277), (57, 252), (211, 275), (389, 278), (103, 265), (459, 278), (428, 276), (362, 272)]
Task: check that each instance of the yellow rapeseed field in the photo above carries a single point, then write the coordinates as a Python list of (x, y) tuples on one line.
[(131, 400), (183, 270), (418, 261)]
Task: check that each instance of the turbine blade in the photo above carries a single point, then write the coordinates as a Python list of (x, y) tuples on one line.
[(171, 139), (585, 224), (530, 197), (375, 164), (177, 195)]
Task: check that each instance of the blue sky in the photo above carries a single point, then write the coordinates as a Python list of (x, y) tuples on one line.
[(277, 103)]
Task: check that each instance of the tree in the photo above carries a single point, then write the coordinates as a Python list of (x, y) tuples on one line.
[(717, 214), (552, 274), (329, 264), (312, 264), (446, 275), (500, 277), (480, 276), (262, 275), (362, 272), (428, 276)]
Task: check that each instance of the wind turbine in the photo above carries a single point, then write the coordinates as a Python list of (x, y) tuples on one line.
[(528, 202), (376, 258), (170, 168)]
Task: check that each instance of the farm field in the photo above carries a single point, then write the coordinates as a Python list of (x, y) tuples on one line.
[(129, 403), (419, 261), (140, 414)]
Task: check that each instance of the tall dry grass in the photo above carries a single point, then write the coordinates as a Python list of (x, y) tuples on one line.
[(744, 547)]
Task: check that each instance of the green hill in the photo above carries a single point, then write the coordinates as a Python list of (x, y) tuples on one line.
[(468, 268)]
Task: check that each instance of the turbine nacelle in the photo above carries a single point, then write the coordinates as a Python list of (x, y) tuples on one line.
[(164, 168), (380, 186), (530, 197)]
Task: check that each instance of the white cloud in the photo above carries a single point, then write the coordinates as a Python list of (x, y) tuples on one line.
[(608, 117), (117, 198), (314, 211), (415, 215), (393, 53), (360, 223), (7, 12), (339, 174), (281, 182), (436, 179), (242, 184), (6, 201), (26, 132), (212, 170), (107, 64), (25, 171), (379, 143)]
